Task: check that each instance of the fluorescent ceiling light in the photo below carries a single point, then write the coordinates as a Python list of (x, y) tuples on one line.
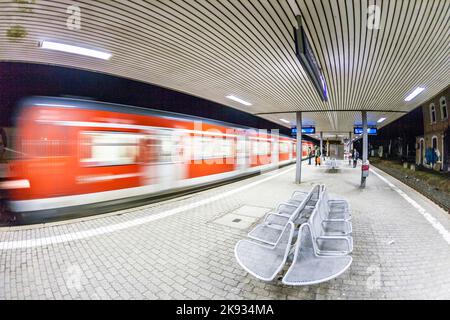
[(245, 103), (381, 120), (76, 50), (414, 94), (285, 121)]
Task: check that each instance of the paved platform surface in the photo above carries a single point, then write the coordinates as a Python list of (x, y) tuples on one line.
[(184, 248)]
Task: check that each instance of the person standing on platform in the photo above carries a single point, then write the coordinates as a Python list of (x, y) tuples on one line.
[(317, 155), (355, 157), (310, 155)]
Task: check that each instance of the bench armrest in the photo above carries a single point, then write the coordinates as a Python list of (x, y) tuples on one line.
[(299, 192), (276, 219)]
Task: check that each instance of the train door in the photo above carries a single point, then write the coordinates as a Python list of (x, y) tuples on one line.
[(275, 149), (242, 152), (166, 165), (294, 150)]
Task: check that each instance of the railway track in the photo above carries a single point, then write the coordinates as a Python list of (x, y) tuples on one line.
[(425, 193)]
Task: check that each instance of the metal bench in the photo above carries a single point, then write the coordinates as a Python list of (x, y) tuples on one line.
[(332, 164), (322, 249), (264, 261), (336, 209), (298, 196), (330, 238), (308, 267), (270, 230)]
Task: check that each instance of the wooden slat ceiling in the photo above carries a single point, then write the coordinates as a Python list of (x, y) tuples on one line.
[(214, 48)]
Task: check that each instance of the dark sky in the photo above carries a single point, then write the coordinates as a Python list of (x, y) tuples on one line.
[(18, 80)]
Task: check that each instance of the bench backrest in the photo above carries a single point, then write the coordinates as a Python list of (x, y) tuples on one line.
[(313, 194), (315, 221), (305, 246), (323, 209)]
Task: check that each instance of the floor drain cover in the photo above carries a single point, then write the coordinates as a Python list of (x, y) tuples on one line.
[(236, 221), (252, 211)]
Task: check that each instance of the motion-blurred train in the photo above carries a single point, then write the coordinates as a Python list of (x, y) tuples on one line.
[(81, 154)]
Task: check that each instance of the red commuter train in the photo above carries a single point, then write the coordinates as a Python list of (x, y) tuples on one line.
[(85, 154)]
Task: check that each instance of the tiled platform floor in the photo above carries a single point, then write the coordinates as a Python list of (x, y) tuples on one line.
[(177, 249)]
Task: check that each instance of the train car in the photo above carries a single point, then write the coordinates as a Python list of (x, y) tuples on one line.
[(78, 154)]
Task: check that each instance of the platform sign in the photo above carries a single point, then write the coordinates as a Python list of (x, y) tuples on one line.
[(308, 61), (305, 130), (370, 131)]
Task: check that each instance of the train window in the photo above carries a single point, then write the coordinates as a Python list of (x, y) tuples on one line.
[(261, 148), (227, 148), (212, 148), (101, 149), (164, 148), (284, 147)]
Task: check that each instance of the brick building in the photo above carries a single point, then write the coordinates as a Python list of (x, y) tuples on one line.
[(436, 122)]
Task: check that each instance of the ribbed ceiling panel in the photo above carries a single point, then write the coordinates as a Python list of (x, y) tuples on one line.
[(214, 48)]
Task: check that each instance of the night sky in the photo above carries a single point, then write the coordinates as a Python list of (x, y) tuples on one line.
[(18, 80)]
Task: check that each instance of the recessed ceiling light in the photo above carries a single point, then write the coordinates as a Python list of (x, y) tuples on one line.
[(414, 94), (245, 103), (285, 121), (75, 49), (381, 120)]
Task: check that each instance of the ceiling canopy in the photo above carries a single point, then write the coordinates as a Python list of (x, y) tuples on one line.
[(373, 53)]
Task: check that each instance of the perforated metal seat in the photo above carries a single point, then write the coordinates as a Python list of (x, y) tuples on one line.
[(264, 261), (269, 231), (266, 233), (308, 267), (336, 209), (328, 243), (333, 227)]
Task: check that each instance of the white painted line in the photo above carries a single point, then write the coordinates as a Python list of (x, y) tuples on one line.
[(432, 220), (31, 243)]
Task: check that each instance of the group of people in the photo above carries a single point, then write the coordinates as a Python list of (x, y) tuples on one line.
[(316, 154)]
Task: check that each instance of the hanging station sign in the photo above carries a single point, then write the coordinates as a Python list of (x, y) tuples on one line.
[(305, 130), (308, 60), (370, 131)]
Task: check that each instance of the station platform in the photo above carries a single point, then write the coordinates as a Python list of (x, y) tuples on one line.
[(184, 248)]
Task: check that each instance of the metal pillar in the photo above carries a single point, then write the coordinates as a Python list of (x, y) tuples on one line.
[(298, 171), (349, 148), (365, 147), (321, 147)]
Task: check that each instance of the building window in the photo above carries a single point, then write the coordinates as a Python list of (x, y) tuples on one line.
[(444, 110), (433, 113), (434, 142)]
